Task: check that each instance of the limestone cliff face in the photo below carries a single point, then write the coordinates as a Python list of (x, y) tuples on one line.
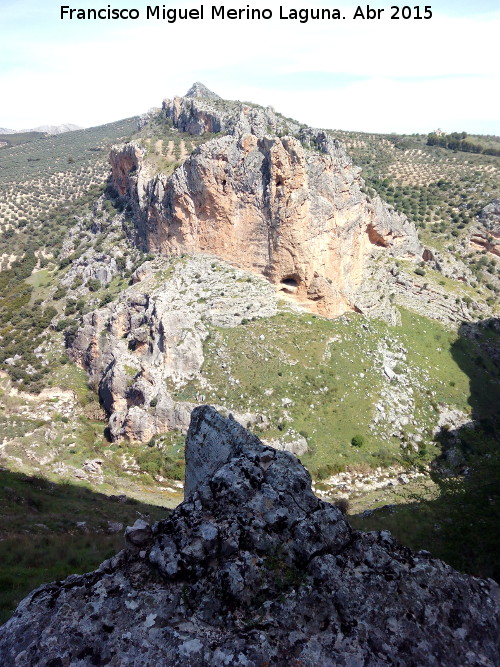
[(266, 203), (252, 569)]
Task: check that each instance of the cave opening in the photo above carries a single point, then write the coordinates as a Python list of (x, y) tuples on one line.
[(289, 285), (291, 282)]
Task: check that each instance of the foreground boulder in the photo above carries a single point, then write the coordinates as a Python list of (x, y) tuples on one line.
[(253, 569)]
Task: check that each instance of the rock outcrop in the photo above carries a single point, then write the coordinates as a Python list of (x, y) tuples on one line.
[(200, 90), (253, 569), (140, 349), (486, 233), (291, 208)]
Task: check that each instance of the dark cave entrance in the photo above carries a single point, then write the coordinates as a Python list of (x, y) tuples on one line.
[(289, 284), (290, 281)]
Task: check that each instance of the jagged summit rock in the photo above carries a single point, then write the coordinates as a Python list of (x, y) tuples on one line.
[(200, 90), (253, 569)]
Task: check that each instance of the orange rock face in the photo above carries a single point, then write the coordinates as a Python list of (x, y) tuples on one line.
[(268, 205)]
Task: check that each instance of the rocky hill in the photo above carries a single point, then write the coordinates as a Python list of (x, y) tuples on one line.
[(139, 349), (289, 207), (119, 314), (252, 569)]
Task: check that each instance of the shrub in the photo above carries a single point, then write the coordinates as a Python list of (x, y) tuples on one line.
[(70, 307), (121, 263), (107, 298), (65, 323), (77, 282), (70, 334), (59, 293), (93, 284), (358, 441), (342, 504)]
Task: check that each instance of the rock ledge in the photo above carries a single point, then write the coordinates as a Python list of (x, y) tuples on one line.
[(253, 569)]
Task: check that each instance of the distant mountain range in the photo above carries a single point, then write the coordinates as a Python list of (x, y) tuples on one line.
[(47, 129)]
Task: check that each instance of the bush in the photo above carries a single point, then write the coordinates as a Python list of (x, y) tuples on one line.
[(65, 323), (70, 334), (77, 282), (59, 293), (358, 441), (154, 462), (342, 504), (107, 298), (93, 284), (121, 263)]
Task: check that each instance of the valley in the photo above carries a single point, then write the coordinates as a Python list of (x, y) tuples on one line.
[(230, 256)]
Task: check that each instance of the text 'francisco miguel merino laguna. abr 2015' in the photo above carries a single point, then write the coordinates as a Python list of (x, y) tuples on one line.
[(248, 13)]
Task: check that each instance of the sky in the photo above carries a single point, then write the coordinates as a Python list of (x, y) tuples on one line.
[(378, 75)]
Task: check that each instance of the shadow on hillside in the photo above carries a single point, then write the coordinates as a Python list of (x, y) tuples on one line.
[(28, 499), (477, 353), (461, 524), (51, 530)]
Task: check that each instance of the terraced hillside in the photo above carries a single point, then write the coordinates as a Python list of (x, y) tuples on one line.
[(37, 176), (443, 192)]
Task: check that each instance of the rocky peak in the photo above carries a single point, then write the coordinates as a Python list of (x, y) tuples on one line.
[(269, 197), (253, 569), (200, 90), (212, 441), (201, 111)]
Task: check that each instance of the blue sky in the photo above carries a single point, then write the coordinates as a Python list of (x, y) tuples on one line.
[(380, 76)]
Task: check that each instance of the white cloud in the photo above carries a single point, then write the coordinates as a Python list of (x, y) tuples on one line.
[(373, 75), (385, 105)]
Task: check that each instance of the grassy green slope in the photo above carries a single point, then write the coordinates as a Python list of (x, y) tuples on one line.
[(328, 376), (40, 540)]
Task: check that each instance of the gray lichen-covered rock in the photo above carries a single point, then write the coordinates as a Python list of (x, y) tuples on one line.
[(200, 90), (253, 569)]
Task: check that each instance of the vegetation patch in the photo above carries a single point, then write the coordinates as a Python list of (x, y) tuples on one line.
[(49, 531)]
